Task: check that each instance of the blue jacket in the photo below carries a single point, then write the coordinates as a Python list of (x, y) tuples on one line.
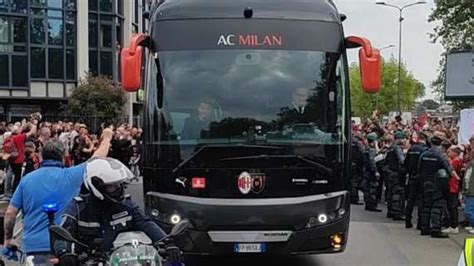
[(89, 219)]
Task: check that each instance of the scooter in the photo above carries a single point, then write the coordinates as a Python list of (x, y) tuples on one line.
[(130, 248)]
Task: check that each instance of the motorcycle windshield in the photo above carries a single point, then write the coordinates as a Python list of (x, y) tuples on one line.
[(130, 255)]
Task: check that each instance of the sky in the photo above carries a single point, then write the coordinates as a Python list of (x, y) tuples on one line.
[(380, 24)]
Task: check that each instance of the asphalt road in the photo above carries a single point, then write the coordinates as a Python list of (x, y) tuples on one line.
[(373, 240)]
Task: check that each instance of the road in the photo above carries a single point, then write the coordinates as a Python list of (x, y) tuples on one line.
[(373, 240)]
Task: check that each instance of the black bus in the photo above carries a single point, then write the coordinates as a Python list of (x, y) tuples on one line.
[(247, 122)]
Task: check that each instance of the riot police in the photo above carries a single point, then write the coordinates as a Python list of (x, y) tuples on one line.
[(357, 150), (370, 175), (414, 182), (434, 171), (395, 175)]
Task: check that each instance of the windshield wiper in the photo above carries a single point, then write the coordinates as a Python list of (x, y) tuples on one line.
[(322, 167), (200, 150)]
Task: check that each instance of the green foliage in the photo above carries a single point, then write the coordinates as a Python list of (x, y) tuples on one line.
[(456, 32), (386, 100), (96, 96)]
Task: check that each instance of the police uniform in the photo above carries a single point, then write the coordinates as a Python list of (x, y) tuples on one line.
[(370, 177), (357, 150), (395, 179), (434, 171), (89, 219), (415, 184)]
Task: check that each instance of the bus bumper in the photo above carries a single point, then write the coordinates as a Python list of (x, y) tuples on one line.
[(303, 237)]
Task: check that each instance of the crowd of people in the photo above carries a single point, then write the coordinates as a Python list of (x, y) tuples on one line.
[(21, 144), (418, 164)]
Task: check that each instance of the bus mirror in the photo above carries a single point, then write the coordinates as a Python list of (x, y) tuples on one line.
[(369, 62), (131, 65)]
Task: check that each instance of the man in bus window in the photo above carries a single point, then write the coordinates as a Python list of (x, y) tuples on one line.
[(197, 124), (300, 95)]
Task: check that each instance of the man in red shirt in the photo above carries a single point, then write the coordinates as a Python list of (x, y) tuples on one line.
[(19, 138), (453, 193)]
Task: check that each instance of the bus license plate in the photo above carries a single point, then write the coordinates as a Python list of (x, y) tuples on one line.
[(249, 248)]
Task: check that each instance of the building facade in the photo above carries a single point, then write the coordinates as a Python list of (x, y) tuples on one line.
[(47, 46)]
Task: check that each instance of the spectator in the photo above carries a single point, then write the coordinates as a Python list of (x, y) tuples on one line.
[(18, 139), (50, 182), (452, 196)]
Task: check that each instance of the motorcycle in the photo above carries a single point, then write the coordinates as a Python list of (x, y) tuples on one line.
[(130, 248)]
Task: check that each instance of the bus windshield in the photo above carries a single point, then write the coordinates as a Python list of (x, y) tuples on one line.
[(231, 96)]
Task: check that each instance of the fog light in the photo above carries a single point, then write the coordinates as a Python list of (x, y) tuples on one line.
[(342, 211), (155, 213), (322, 218), (175, 219), (332, 215), (337, 241)]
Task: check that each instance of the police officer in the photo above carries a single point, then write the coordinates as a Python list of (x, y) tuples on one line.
[(371, 176), (105, 212), (396, 178), (434, 171), (357, 150), (415, 186)]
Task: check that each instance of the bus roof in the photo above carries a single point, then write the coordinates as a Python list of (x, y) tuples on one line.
[(321, 10)]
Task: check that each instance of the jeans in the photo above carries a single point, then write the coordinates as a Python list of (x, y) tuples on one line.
[(469, 210)]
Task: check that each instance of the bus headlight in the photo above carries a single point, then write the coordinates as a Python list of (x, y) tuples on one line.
[(322, 218), (175, 218), (154, 213)]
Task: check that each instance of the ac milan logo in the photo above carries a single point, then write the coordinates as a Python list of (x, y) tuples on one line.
[(251, 182), (244, 182)]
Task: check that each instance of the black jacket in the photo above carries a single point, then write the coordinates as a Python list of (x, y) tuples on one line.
[(89, 220)]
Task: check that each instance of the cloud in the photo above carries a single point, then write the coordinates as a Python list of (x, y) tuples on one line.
[(380, 25)]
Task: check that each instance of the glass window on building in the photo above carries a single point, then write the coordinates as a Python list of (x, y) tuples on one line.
[(105, 38), (3, 30), (4, 71), (19, 30), (55, 3), (106, 5), (13, 54), (37, 31), (19, 6), (20, 70), (4, 6), (56, 63), (106, 35), (38, 69), (55, 31), (53, 39)]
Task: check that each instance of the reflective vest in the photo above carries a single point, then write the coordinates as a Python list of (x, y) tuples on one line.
[(466, 258)]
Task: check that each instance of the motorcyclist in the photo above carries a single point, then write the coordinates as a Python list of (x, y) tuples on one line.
[(103, 213)]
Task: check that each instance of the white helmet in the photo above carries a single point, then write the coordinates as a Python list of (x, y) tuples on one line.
[(107, 172)]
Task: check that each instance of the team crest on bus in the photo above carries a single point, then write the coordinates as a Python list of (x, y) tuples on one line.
[(251, 182)]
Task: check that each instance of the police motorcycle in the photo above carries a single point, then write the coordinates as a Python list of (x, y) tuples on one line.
[(130, 248), (13, 255)]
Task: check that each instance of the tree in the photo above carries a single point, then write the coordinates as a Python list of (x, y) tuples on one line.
[(456, 32), (96, 96), (430, 104), (386, 100)]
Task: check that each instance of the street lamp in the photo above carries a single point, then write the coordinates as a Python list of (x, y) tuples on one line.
[(378, 93), (400, 19), (386, 47)]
